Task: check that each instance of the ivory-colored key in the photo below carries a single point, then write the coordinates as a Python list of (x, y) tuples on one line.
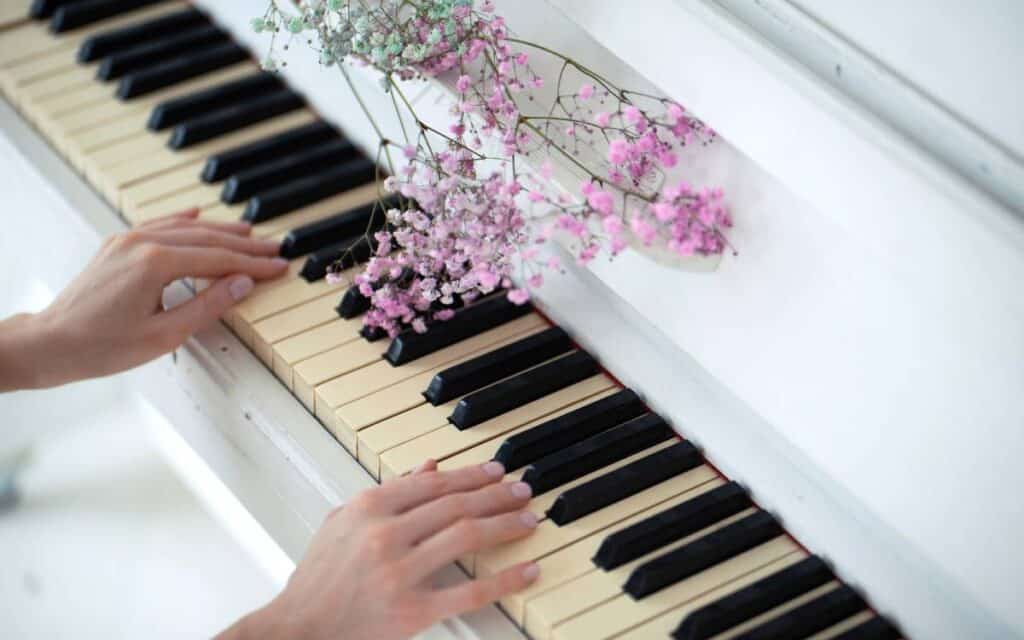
[(405, 414), (663, 624), (777, 611), (286, 296), (102, 135), (623, 612), (167, 184), (842, 627), (28, 71), (136, 159), (335, 337), (597, 586), (41, 110), (199, 196), (575, 560), (346, 388), (13, 12), (58, 85), (442, 443), (549, 537), (293, 322)]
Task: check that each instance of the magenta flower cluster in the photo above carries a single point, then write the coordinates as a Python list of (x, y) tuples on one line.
[(464, 231)]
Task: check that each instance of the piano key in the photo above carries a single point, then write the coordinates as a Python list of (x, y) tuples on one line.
[(550, 537), (819, 614), (523, 388), (491, 367), (289, 294), (706, 552), (349, 252), (353, 303), (659, 530), (595, 587), (65, 82), (204, 60), (40, 9), (79, 14), (595, 452), (875, 628), (298, 193), (46, 64), (441, 443), (208, 101), (13, 13), (471, 320), (612, 487), (657, 615), (200, 196), (312, 213), (762, 596), (621, 612), (225, 121), (521, 449), (292, 322), (117, 40), (838, 629), (290, 352), (133, 160), (226, 163), (244, 184), (343, 389), (147, 54)]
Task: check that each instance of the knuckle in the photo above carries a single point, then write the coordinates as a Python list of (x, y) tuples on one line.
[(381, 540), (150, 254), (364, 502)]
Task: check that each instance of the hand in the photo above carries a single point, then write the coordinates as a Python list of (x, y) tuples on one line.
[(367, 573), (111, 317)]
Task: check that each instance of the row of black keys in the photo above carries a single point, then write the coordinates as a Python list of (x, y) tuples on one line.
[(603, 432)]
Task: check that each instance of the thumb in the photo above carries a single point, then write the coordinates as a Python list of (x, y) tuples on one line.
[(207, 307)]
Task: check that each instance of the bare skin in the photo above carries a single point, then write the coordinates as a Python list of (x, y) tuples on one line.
[(368, 573)]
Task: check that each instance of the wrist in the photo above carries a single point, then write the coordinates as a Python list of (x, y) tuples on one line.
[(23, 348), (264, 623)]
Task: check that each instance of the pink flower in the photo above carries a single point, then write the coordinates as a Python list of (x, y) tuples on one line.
[(612, 225), (602, 119), (536, 281), (535, 196), (674, 111), (632, 114), (522, 59), (462, 84), (618, 151), (586, 92), (601, 201), (518, 296), (643, 230), (664, 211)]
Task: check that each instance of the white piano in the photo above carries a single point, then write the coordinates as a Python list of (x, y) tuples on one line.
[(858, 366)]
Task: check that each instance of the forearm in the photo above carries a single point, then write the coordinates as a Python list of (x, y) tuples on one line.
[(23, 351), (261, 624)]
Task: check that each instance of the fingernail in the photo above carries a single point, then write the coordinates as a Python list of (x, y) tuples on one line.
[(520, 489), (424, 465), (240, 287), (528, 519), (531, 571), (280, 262), (495, 469)]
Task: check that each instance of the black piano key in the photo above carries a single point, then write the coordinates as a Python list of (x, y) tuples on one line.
[(210, 101), (556, 434), (477, 318), (493, 366), (347, 224), (373, 334), (111, 42), (244, 184), (810, 618), (353, 303), (349, 252), (755, 599), (624, 482), (595, 452), (145, 55), (481, 406), (79, 14), (299, 193), (225, 121), (186, 67), (701, 554), (222, 165), (42, 9), (874, 629), (670, 525)]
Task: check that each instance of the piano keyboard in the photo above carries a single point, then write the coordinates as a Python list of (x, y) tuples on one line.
[(639, 537)]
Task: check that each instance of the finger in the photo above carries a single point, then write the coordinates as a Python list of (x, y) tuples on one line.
[(474, 594), (411, 491), (467, 536), (426, 466), (425, 520), (237, 228), (217, 262), (196, 236), (174, 326), (184, 215)]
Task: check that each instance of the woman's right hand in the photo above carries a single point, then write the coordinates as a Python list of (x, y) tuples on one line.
[(368, 572)]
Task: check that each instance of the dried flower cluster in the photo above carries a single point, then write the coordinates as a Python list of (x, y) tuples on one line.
[(464, 231)]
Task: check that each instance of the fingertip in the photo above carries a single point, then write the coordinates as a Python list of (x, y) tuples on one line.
[(530, 572), (494, 469), (240, 286), (192, 212)]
